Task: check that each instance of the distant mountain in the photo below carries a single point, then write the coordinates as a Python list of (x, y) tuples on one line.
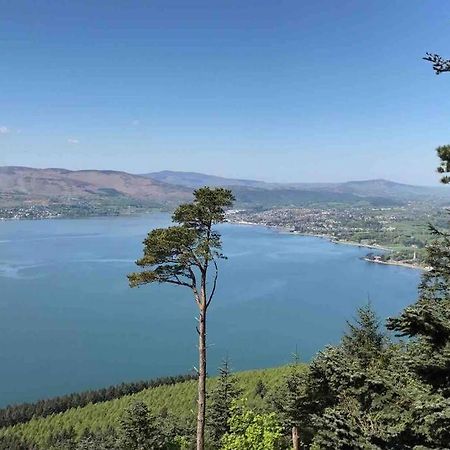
[(196, 180), (389, 189), (65, 186), (28, 186), (379, 188)]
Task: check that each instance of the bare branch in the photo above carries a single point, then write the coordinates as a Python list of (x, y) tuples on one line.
[(177, 282), (213, 290)]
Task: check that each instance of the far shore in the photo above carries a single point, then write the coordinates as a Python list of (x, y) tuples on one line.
[(334, 240), (399, 263)]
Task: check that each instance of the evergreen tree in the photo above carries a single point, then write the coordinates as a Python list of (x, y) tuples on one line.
[(221, 399), (140, 431), (288, 401), (427, 322), (182, 255), (99, 440), (63, 440), (364, 339), (14, 443), (355, 395), (261, 389)]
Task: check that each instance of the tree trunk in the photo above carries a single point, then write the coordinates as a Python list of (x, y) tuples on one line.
[(201, 379), (295, 438)]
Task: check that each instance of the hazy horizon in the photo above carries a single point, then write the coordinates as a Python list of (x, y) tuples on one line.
[(355, 180)]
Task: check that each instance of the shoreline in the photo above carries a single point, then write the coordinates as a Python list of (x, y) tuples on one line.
[(332, 239), (279, 228), (398, 263)]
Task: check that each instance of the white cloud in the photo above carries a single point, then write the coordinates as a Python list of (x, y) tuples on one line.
[(4, 130), (73, 141)]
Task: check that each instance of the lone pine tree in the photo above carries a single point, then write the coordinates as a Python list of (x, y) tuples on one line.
[(186, 254)]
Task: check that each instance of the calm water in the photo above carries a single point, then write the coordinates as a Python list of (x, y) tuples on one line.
[(69, 321)]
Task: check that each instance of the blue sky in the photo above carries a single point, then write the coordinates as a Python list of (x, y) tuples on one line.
[(317, 90)]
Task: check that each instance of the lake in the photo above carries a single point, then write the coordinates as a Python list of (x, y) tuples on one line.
[(69, 321)]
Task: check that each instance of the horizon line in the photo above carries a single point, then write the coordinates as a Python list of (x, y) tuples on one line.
[(222, 176)]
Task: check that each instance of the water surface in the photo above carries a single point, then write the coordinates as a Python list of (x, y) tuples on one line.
[(69, 321)]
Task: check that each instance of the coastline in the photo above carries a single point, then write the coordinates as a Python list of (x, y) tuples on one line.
[(279, 228), (398, 263), (333, 240)]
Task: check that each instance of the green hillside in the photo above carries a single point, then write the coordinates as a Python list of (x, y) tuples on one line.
[(178, 400)]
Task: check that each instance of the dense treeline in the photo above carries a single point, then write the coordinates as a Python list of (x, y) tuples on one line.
[(175, 402), (15, 414)]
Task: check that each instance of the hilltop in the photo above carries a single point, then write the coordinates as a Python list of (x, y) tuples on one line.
[(196, 179), (363, 188), (27, 192), (61, 185)]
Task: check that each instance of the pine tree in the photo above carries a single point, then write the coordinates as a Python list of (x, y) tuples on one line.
[(288, 401), (260, 389), (14, 443), (356, 394), (139, 430), (427, 322), (99, 440), (184, 255), (221, 399), (364, 338)]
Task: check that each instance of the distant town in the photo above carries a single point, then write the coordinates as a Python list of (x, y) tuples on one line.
[(401, 231), (73, 210)]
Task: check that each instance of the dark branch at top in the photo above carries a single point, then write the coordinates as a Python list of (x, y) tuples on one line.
[(444, 155), (439, 64)]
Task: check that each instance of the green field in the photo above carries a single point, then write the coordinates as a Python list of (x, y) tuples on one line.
[(178, 400)]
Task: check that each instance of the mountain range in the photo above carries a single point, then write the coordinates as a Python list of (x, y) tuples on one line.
[(364, 188), (25, 185)]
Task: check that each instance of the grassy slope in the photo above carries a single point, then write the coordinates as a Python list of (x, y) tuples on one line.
[(178, 399)]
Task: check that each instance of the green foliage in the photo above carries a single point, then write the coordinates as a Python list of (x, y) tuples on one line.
[(364, 339), (100, 440), (15, 443), (174, 254), (427, 322), (221, 399), (140, 430), (370, 393), (177, 400), (261, 389), (62, 440), (12, 415), (289, 397), (252, 431), (354, 395)]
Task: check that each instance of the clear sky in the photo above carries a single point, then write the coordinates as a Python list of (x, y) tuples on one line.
[(317, 90)]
